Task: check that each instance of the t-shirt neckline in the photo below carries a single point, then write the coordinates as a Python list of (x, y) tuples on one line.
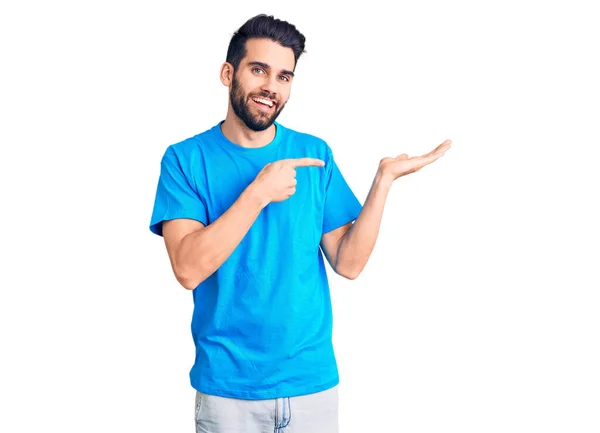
[(248, 150)]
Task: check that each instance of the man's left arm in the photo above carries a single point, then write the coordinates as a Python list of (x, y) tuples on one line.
[(349, 247)]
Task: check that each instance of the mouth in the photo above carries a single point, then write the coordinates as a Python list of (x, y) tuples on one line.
[(264, 104)]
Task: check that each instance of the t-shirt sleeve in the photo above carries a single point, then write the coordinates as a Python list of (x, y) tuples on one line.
[(341, 205), (175, 196)]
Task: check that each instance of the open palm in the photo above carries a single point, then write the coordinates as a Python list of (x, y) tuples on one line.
[(402, 164)]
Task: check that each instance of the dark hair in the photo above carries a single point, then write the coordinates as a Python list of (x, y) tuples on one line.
[(263, 26)]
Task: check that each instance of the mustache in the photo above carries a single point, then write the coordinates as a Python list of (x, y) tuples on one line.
[(265, 95)]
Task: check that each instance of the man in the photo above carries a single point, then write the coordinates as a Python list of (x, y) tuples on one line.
[(247, 209)]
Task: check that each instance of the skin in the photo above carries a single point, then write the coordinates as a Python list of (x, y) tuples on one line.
[(197, 251), (272, 82)]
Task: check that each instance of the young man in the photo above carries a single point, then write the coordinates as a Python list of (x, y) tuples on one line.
[(247, 210)]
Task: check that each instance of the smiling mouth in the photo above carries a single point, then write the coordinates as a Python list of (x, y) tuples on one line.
[(264, 104)]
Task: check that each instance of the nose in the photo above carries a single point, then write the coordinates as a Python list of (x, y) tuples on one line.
[(269, 85)]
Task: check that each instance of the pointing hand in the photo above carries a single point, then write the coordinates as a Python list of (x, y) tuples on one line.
[(277, 180)]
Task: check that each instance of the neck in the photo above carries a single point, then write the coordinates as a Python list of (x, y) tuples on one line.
[(237, 132)]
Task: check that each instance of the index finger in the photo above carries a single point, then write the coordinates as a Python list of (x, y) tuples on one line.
[(442, 148), (305, 162)]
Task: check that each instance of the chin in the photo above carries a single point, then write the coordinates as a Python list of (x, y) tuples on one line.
[(260, 124), (257, 128)]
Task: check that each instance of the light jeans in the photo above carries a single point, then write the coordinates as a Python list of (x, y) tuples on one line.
[(311, 413)]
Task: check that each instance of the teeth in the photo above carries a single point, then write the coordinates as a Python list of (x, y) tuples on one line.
[(264, 101)]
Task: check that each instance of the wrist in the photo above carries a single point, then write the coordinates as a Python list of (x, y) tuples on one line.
[(256, 193), (383, 180)]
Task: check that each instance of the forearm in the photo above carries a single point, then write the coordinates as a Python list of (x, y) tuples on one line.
[(202, 252), (357, 244)]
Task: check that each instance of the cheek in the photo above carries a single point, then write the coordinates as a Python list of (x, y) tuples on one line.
[(285, 94), (249, 85)]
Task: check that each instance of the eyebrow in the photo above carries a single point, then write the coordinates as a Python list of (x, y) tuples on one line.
[(265, 66)]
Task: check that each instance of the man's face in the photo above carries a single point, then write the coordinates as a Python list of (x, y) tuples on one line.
[(261, 84)]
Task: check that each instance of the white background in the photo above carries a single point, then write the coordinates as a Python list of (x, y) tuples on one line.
[(478, 311)]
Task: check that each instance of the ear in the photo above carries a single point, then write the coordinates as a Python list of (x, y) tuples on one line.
[(226, 74)]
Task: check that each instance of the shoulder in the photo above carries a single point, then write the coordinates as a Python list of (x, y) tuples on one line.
[(189, 149), (190, 145), (302, 135), (307, 141)]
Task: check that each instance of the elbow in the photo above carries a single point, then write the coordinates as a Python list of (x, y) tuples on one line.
[(348, 273), (189, 277), (188, 283), (351, 275)]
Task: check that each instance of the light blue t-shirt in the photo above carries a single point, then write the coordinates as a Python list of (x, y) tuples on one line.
[(262, 323)]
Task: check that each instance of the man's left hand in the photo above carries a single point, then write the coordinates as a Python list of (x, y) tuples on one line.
[(393, 168)]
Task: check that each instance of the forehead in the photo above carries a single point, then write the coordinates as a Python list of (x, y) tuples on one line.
[(269, 52)]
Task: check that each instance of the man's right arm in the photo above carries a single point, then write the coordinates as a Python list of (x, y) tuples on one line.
[(197, 251)]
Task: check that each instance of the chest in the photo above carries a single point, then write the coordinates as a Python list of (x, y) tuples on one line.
[(293, 225)]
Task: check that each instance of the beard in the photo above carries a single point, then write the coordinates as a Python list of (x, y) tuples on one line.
[(241, 107)]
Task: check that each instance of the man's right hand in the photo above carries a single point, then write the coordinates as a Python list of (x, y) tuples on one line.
[(277, 180)]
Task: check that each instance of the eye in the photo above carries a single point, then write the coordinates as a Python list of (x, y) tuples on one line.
[(257, 70), (284, 78)]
